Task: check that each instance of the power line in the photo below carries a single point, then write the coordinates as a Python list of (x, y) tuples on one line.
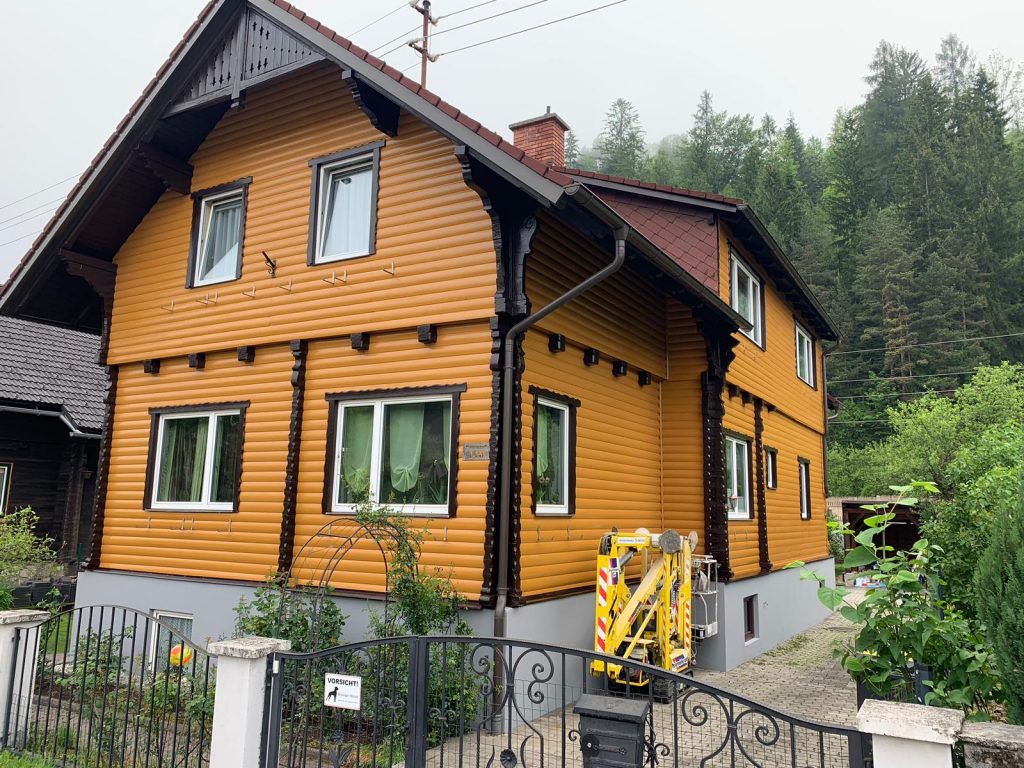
[(899, 378), (376, 21), (33, 194), (393, 39), (926, 344), (529, 29), (861, 421), (468, 8), (38, 207), (897, 394), (9, 242), (478, 21), (28, 218)]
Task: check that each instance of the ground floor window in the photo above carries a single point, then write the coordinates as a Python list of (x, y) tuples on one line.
[(196, 458), (396, 449), (805, 489), (737, 477), (167, 648), (554, 453)]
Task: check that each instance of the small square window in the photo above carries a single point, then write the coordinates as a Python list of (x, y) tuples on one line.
[(553, 470), (218, 229), (5, 485), (805, 362), (344, 205), (771, 468), (170, 630), (805, 489), (196, 459), (750, 618), (737, 477), (745, 298)]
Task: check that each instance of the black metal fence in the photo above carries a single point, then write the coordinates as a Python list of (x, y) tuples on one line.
[(109, 686), (455, 702)]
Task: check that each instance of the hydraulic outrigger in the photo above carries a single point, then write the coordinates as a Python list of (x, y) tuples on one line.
[(652, 623)]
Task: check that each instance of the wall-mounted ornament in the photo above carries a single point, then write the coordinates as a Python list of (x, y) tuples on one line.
[(619, 368), (360, 341), (556, 342), (591, 356)]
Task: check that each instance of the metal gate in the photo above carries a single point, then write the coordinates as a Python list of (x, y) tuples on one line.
[(108, 686), (462, 702)]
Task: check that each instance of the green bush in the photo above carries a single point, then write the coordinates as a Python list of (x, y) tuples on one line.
[(311, 620), (21, 551), (1000, 591)]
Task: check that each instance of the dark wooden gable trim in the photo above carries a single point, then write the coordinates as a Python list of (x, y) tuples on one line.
[(381, 111), (299, 349), (92, 562), (762, 501)]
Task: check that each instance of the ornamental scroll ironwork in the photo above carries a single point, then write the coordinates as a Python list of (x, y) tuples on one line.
[(464, 702)]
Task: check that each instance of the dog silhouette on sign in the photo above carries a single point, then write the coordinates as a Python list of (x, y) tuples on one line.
[(333, 695)]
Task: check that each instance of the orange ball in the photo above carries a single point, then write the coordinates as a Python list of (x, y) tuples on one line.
[(181, 654)]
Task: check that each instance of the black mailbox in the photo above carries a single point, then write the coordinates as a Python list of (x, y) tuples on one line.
[(612, 731)]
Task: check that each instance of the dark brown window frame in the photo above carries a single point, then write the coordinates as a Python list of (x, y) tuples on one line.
[(317, 164), (750, 618), (336, 399), (805, 493), (739, 436), (573, 404), (771, 459), (154, 432), (197, 211)]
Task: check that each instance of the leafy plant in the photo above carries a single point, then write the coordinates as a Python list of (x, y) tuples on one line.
[(22, 552), (904, 625), (309, 620), (1000, 590)]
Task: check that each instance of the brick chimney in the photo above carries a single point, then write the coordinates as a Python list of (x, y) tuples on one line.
[(542, 138)]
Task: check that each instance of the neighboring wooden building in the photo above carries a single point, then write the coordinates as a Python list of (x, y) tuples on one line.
[(904, 529), (51, 413), (308, 271)]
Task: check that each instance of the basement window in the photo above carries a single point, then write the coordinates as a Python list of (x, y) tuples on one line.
[(5, 485), (737, 477), (397, 451), (173, 628), (196, 459), (343, 205), (805, 489), (218, 229), (804, 355), (554, 453), (745, 298), (750, 618)]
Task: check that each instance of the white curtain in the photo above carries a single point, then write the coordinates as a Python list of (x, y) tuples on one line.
[(346, 216), (220, 249)]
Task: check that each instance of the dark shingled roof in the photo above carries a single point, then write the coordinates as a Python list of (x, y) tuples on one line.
[(48, 367)]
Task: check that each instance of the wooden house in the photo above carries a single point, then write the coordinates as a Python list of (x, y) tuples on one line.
[(51, 415), (316, 279)]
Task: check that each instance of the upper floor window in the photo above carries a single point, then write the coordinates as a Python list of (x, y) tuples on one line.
[(745, 298), (395, 450), (196, 458), (805, 363), (737, 477), (343, 207), (805, 489), (554, 453), (218, 229), (771, 468)]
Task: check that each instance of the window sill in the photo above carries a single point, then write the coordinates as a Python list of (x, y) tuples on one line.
[(751, 641), (413, 512), (739, 519), (759, 344), (196, 285), (192, 510), (552, 512), (321, 260)]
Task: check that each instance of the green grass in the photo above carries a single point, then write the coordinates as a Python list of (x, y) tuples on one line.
[(9, 760), (56, 634)]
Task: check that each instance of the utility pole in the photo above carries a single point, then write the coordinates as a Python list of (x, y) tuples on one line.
[(424, 47)]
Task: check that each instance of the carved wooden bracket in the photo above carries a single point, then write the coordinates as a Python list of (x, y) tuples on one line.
[(174, 173), (381, 111), (99, 274)]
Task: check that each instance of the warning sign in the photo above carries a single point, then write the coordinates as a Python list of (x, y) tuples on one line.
[(342, 691)]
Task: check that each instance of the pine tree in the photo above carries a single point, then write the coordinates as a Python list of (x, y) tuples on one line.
[(620, 147), (572, 149), (955, 65)]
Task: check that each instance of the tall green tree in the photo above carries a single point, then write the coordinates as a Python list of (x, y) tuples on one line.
[(620, 147)]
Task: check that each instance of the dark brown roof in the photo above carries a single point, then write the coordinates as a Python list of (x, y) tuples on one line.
[(669, 190), (49, 367)]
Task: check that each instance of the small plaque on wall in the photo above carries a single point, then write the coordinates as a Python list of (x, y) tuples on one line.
[(476, 452)]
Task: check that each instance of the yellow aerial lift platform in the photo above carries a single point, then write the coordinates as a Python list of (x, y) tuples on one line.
[(652, 623)]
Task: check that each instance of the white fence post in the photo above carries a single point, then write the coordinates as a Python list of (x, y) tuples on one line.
[(910, 735), (238, 703), (17, 670)]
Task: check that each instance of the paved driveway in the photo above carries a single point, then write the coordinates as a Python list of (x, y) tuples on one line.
[(799, 677)]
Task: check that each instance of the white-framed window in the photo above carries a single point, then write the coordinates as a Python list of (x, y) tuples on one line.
[(771, 468), (196, 459), (737, 477), (805, 489), (745, 297), (805, 362), (552, 471), (396, 451), (344, 205), (218, 229), (6, 469), (163, 641)]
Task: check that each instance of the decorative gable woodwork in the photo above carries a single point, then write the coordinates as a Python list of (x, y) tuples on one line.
[(254, 50)]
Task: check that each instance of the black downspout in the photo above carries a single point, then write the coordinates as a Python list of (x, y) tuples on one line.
[(507, 419)]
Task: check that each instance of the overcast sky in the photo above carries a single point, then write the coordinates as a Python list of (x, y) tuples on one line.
[(71, 69)]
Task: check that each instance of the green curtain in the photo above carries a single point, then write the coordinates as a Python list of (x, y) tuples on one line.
[(543, 427), (356, 445), (405, 444), (182, 460)]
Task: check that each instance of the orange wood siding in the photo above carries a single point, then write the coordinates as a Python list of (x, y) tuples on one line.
[(683, 462), (789, 537), (242, 545), (430, 226), (461, 355), (796, 428), (623, 317), (618, 466)]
